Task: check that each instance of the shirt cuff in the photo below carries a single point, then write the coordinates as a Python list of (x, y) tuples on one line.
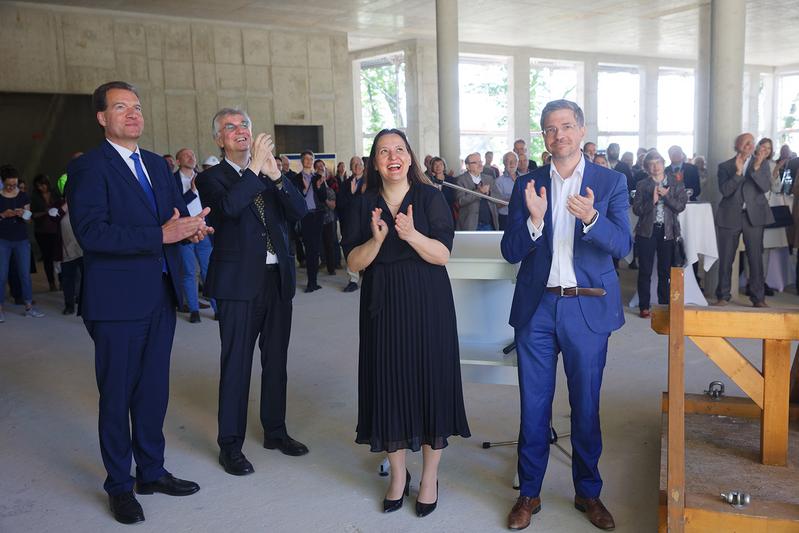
[(587, 228), (535, 233)]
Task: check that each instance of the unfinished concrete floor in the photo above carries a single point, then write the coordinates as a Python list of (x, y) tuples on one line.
[(51, 474)]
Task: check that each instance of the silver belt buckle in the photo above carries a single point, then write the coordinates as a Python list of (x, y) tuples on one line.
[(562, 291)]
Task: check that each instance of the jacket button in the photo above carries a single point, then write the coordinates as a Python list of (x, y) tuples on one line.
[(263, 234)]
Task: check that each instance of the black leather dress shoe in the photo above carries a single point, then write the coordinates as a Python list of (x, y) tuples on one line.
[(351, 287), (125, 508), (168, 484), (234, 462), (287, 445)]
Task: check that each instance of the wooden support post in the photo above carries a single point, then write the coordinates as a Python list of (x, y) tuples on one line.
[(675, 490), (776, 390)]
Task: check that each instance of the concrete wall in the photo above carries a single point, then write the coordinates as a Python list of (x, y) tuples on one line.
[(185, 71)]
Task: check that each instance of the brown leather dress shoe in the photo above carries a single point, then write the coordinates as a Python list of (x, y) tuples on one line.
[(760, 304), (523, 510), (596, 512)]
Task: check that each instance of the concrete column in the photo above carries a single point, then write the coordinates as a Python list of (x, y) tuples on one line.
[(449, 127), (521, 98), (727, 33), (590, 105), (702, 83), (648, 114)]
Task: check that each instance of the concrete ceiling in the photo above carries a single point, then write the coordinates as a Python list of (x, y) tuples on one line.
[(656, 28)]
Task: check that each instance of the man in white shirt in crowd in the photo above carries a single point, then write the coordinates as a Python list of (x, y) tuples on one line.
[(192, 253)]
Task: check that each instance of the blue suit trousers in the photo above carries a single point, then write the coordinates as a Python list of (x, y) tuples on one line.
[(132, 369), (558, 326)]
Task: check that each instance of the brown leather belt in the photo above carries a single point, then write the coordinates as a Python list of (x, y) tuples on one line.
[(577, 291)]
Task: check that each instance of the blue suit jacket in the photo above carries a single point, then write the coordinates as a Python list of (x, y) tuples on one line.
[(593, 252), (120, 234), (236, 269)]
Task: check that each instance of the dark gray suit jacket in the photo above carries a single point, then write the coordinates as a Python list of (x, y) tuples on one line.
[(470, 204), (736, 189)]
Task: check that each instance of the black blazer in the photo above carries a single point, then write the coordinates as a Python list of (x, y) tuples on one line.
[(235, 271), (189, 195), (345, 198), (320, 194), (690, 177)]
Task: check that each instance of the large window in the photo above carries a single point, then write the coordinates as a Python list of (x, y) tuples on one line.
[(382, 96), (675, 110), (483, 105), (549, 80), (618, 113), (788, 110)]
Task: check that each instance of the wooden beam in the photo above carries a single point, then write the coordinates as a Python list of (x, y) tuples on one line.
[(675, 483), (736, 406), (735, 365), (743, 323), (774, 421)]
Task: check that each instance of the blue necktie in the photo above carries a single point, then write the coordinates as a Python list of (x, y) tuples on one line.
[(148, 191), (143, 181)]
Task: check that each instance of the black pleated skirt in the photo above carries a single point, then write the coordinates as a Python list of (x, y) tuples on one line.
[(409, 379)]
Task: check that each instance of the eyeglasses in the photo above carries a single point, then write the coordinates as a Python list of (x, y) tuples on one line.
[(473, 162), (553, 130), (230, 127)]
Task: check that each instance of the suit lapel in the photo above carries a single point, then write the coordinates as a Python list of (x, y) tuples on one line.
[(232, 176), (548, 227), (589, 179), (126, 177), (159, 179)]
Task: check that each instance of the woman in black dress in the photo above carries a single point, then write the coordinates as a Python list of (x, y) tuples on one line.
[(409, 383)]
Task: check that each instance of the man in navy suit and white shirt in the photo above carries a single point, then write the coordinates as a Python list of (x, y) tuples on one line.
[(252, 278), (566, 223), (126, 210)]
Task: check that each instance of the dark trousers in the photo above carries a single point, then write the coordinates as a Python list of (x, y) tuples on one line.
[(556, 327), (728, 246), (266, 318), (131, 360), (296, 242), (312, 238), (70, 272), (47, 246), (503, 222), (648, 247), (329, 242)]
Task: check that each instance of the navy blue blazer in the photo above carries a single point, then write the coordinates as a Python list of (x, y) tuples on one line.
[(236, 269), (120, 234), (593, 252), (690, 176)]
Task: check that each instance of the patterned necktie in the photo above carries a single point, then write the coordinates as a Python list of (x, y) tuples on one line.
[(261, 208), (143, 181)]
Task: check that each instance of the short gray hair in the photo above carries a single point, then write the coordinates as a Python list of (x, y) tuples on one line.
[(509, 155), (556, 105), (224, 112)]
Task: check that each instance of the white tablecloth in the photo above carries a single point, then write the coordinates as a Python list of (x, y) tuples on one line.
[(699, 237)]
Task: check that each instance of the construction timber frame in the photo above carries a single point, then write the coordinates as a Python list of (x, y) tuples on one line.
[(768, 394)]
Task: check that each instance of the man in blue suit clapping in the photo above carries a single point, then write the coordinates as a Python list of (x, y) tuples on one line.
[(566, 223), (128, 215)]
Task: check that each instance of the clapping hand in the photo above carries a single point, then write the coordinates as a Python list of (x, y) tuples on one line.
[(270, 164), (179, 228), (740, 159), (404, 225), (379, 226), (483, 188), (536, 202), (582, 207), (261, 150)]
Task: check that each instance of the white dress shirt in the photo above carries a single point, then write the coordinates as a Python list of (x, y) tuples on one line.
[(271, 259), (125, 153), (561, 274), (195, 206)]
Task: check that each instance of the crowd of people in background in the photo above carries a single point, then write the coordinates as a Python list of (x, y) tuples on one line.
[(329, 194)]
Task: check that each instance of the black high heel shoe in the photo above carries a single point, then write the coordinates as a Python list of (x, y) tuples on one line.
[(424, 509), (389, 506)]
